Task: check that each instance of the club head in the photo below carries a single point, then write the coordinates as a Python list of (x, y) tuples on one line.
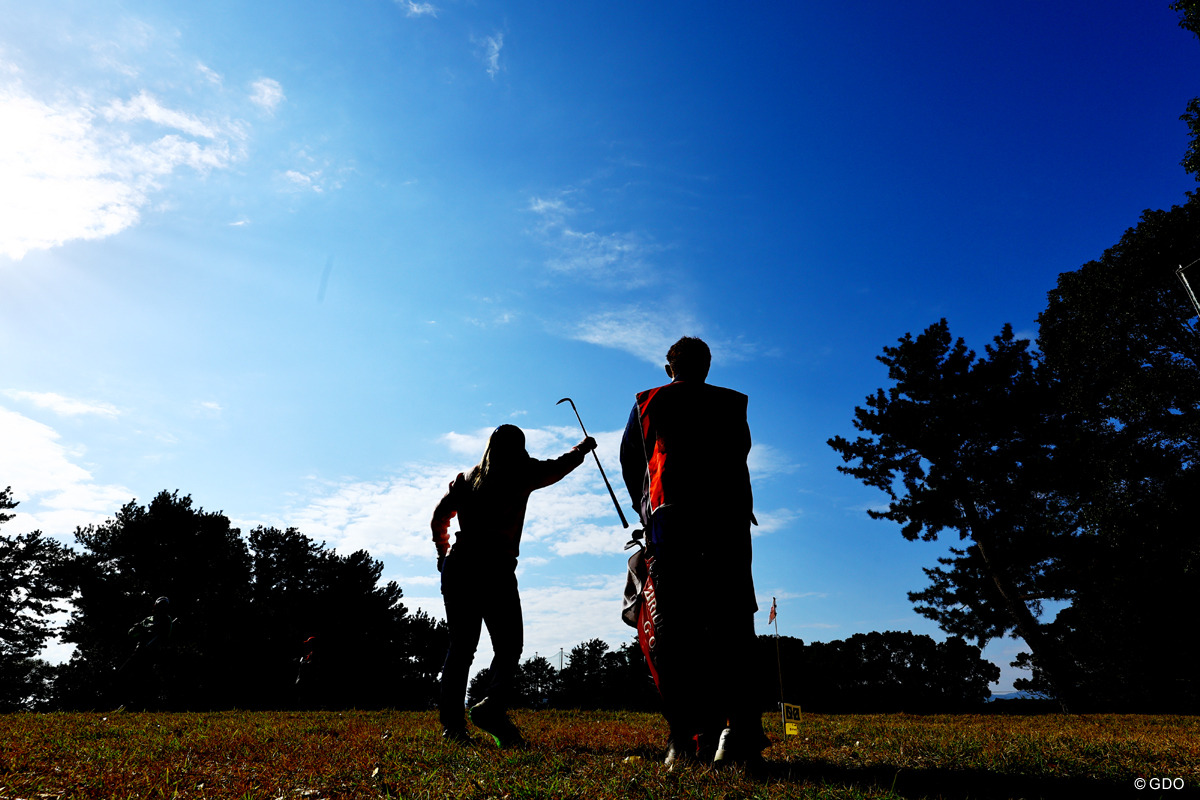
[(565, 400)]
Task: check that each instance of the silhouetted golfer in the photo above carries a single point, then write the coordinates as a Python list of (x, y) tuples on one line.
[(479, 581), (683, 457)]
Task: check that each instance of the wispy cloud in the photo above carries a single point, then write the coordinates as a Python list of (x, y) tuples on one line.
[(313, 173), (414, 9), (301, 181), (602, 257), (774, 520), (64, 406), (267, 94), (766, 461), (209, 74), (146, 108), (491, 57), (644, 333), (649, 332), (615, 259)]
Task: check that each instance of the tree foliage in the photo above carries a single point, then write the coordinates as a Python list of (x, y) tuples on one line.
[(1071, 471), (1189, 20), (1122, 345), (30, 585), (167, 548), (966, 443), (272, 621), (363, 647)]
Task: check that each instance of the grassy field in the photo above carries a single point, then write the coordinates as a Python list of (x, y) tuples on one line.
[(588, 755)]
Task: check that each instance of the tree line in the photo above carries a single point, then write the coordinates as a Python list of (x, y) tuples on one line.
[(276, 620), (1067, 469), (271, 620)]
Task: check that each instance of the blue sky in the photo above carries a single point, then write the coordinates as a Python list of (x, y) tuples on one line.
[(298, 259)]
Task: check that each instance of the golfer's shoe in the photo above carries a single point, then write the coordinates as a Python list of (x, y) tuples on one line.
[(457, 735), (494, 720), (736, 748)]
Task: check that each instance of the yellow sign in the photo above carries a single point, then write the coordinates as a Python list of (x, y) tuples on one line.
[(791, 720)]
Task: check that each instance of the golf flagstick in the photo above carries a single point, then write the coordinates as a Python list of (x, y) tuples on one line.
[(611, 493)]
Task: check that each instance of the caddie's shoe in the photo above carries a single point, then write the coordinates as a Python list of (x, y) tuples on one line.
[(733, 748), (494, 720), (679, 754)]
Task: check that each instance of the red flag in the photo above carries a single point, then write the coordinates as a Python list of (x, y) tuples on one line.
[(771, 618)]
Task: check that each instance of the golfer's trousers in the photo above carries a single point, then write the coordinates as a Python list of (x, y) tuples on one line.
[(479, 588)]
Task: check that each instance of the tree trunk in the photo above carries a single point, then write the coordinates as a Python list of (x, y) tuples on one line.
[(1045, 650)]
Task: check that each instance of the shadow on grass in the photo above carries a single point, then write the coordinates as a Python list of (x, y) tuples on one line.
[(953, 784)]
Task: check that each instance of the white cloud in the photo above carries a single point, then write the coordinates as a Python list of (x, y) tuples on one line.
[(491, 57), (267, 94), (145, 108), (647, 334), (604, 258), (301, 181), (384, 517), (64, 406), (766, 461), (467, 444), (56, 493), (68, 171), (298, 181), (209, 74), (414, 9), (774, 520), (613, 259), (553, 210)]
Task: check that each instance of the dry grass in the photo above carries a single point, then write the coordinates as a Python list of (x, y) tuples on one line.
[(585, 755)]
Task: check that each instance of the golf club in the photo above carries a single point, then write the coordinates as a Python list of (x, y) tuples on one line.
[(611, 493)]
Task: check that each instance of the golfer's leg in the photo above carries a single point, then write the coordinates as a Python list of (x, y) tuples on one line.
[(502, 615), (464, 618)]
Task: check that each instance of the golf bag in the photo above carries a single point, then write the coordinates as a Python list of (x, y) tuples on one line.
[(640, 607)]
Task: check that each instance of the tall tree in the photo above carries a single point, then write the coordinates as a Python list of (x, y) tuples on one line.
[(966, 444), (30, 585), (584, 682), (1189, 20), (536, 683), (1122, 344), (167, 548), (366, 649)]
